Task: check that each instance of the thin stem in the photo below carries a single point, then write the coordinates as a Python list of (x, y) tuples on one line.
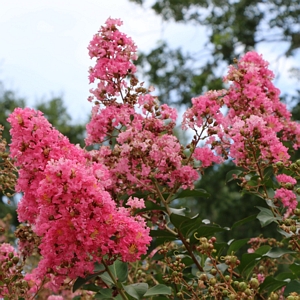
[(120, 290), (274, 211), (185, 243), (39, 289), (171, 230)]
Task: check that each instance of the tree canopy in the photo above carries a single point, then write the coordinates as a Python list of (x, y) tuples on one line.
[(232, 28)]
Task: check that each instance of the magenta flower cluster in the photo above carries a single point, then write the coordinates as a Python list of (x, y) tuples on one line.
[(66, 202), (254, 117)]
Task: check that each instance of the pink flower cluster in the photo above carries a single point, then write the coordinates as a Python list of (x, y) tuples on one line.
[(256, 122), (144, 145), (287, 197), (283, 178), (142, 152), (6, 273), (5, 249), (114, 52), (66, 201)]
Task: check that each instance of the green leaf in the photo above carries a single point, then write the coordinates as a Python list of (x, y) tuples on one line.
[(236, 245), (157, 242), (184, 224), (243, 221), (268, 183), (187, 260), (81, 281), (230, 175), (222, 267), (286, 276), (192, 193), (107, 279), (253, 181), (265, 216), (178, 211), (271, 284), (91, 287), (99, 268), (263, 249), (268, 172), (219, 247), (151, 206), (159, 289), (277, 252), (189, 226), (270, 202), (119, 270), (292, 286), (248, 262), (136, 290), (284, 233), (295, 268), (105, 293), (162, 233)]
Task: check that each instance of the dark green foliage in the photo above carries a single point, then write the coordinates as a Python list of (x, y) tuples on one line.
[(227, 204), (8, 102)]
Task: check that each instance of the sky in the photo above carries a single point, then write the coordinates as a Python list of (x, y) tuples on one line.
[(44, 43)]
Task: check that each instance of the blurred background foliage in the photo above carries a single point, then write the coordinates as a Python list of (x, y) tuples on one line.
[(232, 27)]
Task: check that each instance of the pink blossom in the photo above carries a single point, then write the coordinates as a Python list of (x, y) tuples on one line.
[(287, 197), (34, 282), (256, 122), (114, 52), (53, 297), (283, 178), (135, 202), (65, 198), (260, 278), (168, 113), (206, 156), (5, 249)]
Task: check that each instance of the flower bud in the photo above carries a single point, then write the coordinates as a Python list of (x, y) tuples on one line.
[(15, 260), (254, 283), (212, 281), (242, 286), (213, 271)]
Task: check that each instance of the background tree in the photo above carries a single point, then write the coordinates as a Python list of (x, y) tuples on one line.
[(232, 27)]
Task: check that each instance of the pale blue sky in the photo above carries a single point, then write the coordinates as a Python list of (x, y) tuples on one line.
[(43, 45)]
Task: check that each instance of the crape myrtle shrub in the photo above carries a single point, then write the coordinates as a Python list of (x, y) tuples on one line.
[(102, 224)]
